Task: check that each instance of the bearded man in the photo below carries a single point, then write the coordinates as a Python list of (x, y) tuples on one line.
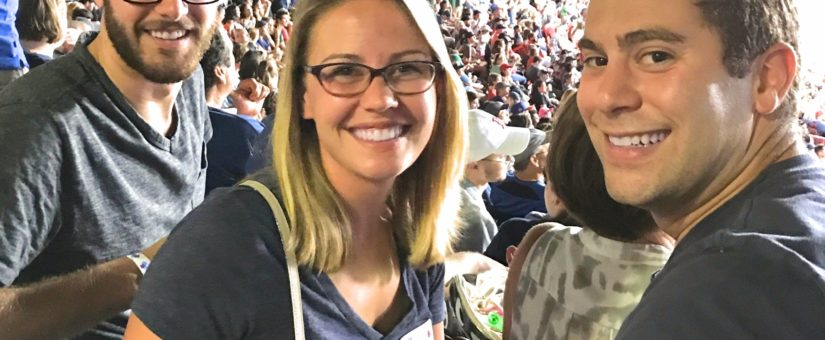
[(103, 152)]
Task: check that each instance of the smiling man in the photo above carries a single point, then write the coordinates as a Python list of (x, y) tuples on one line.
[(691, 107), (103, 153)]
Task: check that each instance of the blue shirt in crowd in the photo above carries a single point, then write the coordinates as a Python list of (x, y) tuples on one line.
[(11, 53), (230, 148)]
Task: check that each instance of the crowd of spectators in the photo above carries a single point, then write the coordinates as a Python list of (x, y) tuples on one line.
[(516, 59)]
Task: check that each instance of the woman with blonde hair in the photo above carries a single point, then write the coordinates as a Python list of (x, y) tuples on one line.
[(368, 150)]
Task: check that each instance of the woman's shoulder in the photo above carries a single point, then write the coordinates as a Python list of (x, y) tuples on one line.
[(222, 260), (237, 215), (425, 281), (431, 273)]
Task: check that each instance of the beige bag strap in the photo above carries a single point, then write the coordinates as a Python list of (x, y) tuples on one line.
[(292, 264)]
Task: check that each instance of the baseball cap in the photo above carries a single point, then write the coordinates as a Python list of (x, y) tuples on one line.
[(515, 96), (518, 107), (536, 138), (493, 107), (489, 135)]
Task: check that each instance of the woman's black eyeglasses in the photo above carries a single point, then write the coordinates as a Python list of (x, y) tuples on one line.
[(350, 79)]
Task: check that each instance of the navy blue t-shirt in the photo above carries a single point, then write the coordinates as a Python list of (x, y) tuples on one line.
[(513, 198), (222, 275), (230, 148), (262, 147), (752, 269), (36, 59)]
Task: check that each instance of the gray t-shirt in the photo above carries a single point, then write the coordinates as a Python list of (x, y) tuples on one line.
[(222, 275), (753, 269), (477, 225), (83, 179)]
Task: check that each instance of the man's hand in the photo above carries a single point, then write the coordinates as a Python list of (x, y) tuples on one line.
[(71, 36), (467, 262), (64, 306), (249, 97)]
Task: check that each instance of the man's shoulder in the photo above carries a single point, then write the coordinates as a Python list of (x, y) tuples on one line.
[(785, 212), (781, 214), (800, 175), (46, 85), (232, 121), (730, 293), (513, 187)]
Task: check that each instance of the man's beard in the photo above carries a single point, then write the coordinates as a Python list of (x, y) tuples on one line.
[(160, 72)]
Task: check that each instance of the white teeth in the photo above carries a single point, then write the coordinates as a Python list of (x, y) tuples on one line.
[(168, 35), (641, 140), (378, 135), (620, 141), (627, 141)]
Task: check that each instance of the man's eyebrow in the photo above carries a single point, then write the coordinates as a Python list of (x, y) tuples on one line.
[(644, 35), (634, 38), (588, 44)]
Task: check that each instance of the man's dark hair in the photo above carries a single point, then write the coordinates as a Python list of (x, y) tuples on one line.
[(249, 63), (748, 28), (38, 20), (472, 95), (521, 120), (279, 14), (230, 13), (81, 12), (238, 50), (219, 53), (577, 176)]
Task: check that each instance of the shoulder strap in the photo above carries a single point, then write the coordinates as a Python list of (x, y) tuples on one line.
[(292, 264)]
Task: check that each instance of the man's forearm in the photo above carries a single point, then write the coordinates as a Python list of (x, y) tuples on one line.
[(67, 305)]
